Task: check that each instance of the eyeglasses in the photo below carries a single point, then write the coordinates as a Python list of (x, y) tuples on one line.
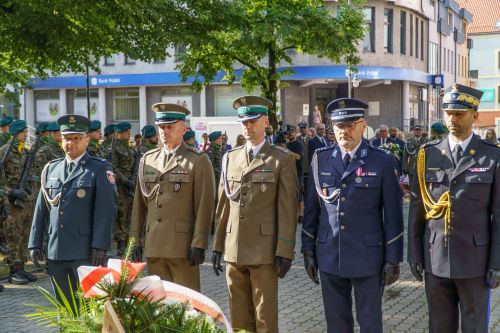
[(76, 139), (347, 126)]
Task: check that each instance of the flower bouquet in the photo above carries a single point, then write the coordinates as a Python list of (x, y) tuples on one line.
[(141, 304), (393, 148)]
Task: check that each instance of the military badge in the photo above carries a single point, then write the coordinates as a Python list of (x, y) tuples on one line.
[(358, 180), (81, 193), (111, 177), (472, 151), (263, 187), (177, 187), (341, 104)]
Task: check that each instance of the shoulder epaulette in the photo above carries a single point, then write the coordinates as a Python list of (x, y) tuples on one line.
[(56, 160), (281, 149), (152, 151), (194, 150), (380, 149), (491, 143), (100, 159), (236, 148), (319, 150), (431, 143)]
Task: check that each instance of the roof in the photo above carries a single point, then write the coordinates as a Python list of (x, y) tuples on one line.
[(486, 18)]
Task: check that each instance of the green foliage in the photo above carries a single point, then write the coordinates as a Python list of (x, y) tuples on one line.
[(138, 313)]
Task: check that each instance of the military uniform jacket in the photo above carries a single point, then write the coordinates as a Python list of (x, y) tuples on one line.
[(305, 155), (80, 208), (258, 221), (361, 227), (473, 243), (410, 153), (173, 202), (96, 149), (215, 156), (48, 152), (122, 159)]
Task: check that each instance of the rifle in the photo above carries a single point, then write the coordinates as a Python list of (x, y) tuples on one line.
[(26, 170), (109, 155), (5, 207), (133, 175)]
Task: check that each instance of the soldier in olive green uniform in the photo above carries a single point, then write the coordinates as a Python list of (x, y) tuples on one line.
[(190, 140), (17, 222), (256, 220), (51, 150), (410, 152), (4, 130), (174, 201), (95, 135), (214, 152), (123, 159), (109, 138), (150, 139)]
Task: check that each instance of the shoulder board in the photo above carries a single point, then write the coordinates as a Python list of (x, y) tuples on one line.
[(194, 150), (283, 150), (319, 150), (98, 159), (56, 160), (489, 143), (431, 143), (235, 148), (380, 149), (152, 151)]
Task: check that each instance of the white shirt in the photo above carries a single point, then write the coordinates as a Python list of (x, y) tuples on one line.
[(171, 151), (255, 149), (352, 152), (75, 161), (464, 143)]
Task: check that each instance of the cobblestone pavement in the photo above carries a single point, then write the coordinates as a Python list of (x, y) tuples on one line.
[(300, 303)]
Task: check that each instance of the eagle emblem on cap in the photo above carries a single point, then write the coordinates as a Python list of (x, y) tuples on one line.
[(342, 104), (72, 120), (163, 107), (243, 101), (455, 88)]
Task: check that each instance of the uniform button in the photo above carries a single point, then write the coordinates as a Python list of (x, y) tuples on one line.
[(342, 199), (454, 182), (242, 216), (242, 204), (61, 226), (344, 185), (159, 220), (159, 206), (341, 213), (342, 227), (61, 213)]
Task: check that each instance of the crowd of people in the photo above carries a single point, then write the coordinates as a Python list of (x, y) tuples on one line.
[(76, 191)]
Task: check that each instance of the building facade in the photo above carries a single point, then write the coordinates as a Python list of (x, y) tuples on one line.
[(408, 41)]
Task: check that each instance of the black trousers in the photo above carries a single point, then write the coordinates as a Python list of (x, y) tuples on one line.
[(337, 300), (450, 299), (64, 273)]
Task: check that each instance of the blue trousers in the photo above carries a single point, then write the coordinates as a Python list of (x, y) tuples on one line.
[(337, 300)]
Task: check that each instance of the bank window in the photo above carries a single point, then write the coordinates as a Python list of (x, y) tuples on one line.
[(109, 61), (416, 37), (388, 30), (46, 94), (411, 35), (82, 93), (223, 99), (125, 104), (129, 61), (402, 33), (369, 39)]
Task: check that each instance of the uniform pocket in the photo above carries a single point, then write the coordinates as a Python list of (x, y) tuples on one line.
[(375, 239), (262, 177), (267, 229), (481, 238), (53, 183)]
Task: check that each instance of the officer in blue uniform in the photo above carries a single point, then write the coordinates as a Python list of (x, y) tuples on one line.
[(454, 219), (76, 207), (353, 222)]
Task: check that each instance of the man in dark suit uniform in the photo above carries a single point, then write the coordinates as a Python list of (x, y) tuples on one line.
[(454, 219), (384, 138), (352, 247), (76, 207), (270, 137), (318, 141)]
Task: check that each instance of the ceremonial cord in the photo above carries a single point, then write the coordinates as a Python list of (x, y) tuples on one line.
[(434, 210)]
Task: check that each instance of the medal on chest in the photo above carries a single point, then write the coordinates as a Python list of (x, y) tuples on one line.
[(263, 187), (81, 193), (359, 172)]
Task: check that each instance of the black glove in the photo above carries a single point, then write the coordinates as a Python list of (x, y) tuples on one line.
[(283, 265), (390, 273), (311, 266), (130, 185), (97, 257), (417, 270), (493, 278), (5, 211), (137, 254), (19, 194), (196, 256), (216, 258), (36, 255)]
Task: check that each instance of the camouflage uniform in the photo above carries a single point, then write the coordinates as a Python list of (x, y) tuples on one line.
[(145, 147), (4, 138), (214, 152), (123, 159), (96, 149), (18, 222), (51, 150), (106, 147)]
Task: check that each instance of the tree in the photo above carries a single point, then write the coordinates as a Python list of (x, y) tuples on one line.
[(259, 34)]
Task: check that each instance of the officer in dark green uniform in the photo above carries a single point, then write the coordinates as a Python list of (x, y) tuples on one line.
[(150, 137), (78, 203), (4, 130), (214, 152), (123, 159), (95, 136)]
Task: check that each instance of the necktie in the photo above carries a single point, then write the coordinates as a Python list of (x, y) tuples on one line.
[(347, 160), (70, 167), (323, 141), (457, 154), (250, 156), (169, 156)]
